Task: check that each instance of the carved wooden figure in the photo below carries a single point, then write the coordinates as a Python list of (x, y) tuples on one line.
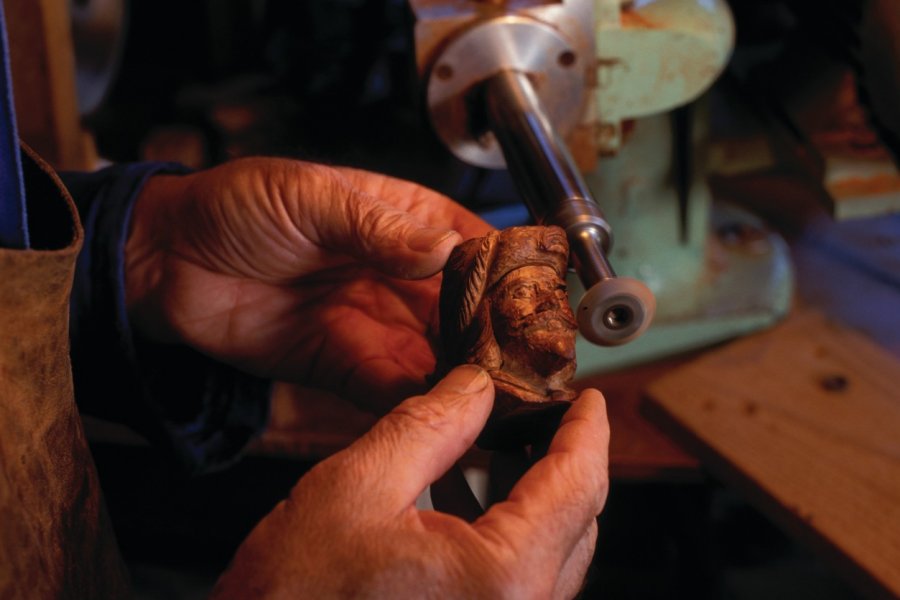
[(504, 306)]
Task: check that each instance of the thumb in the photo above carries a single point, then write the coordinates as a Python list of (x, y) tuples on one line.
[(383, 236), (420, 439)]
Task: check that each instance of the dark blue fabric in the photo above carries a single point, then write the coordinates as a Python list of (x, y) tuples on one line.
[(202, 412), (13, 216)]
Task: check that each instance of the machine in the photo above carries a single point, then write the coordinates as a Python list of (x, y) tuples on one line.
[(574, 98), (506, 82)]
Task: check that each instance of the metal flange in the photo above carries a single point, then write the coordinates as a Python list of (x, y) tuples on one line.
[(508, 43)]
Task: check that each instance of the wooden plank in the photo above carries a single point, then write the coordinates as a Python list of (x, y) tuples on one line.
[(43, 69), (805, 419), (310, 424), (638, 449)]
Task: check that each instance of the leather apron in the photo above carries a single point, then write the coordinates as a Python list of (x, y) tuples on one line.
[(55, 537)]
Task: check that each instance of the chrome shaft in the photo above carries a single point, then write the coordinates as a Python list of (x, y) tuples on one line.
[(614, 310), (545, 172)]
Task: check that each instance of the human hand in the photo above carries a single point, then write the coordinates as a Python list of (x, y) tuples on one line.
[(296, 271), (350, 526)]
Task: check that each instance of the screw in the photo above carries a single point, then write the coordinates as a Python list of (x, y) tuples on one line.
[(834, 383), (443, 72), (566, 58)]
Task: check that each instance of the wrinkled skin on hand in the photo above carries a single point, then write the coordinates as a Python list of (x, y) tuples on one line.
[(350, 527), (296, 271)]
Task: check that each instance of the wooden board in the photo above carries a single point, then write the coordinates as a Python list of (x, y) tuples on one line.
[(638, 449), (43, 70), (311, 424), (805, 419)]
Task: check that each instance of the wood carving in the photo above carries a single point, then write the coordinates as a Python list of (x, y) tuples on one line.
[(504, 306)]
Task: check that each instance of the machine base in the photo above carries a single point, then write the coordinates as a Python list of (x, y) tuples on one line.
[(746, 286)]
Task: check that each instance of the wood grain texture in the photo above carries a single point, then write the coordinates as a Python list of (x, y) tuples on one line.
[(43, 70), (638, 449), (805, 419)]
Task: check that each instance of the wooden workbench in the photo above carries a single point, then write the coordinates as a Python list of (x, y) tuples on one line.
[(310, 424), (804, 419)]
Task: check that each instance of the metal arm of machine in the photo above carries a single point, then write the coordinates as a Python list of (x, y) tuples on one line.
[(614, 310), (505, 83), (508, 80)]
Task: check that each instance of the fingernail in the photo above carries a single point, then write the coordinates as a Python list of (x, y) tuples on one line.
[(469, 379), (428, 238)]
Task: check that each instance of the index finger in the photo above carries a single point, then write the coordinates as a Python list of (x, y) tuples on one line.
[(550, 508), (432, 207)]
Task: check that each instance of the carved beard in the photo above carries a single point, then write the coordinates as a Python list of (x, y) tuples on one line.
[(546, 338)]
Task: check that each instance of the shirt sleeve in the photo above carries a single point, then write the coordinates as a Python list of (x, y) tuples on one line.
[(200, 412)]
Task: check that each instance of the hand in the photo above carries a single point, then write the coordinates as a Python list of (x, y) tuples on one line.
[(350, 527), (296, 271)]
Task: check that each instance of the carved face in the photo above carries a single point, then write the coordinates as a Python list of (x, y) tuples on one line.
[(504, 306), (532, 321)]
